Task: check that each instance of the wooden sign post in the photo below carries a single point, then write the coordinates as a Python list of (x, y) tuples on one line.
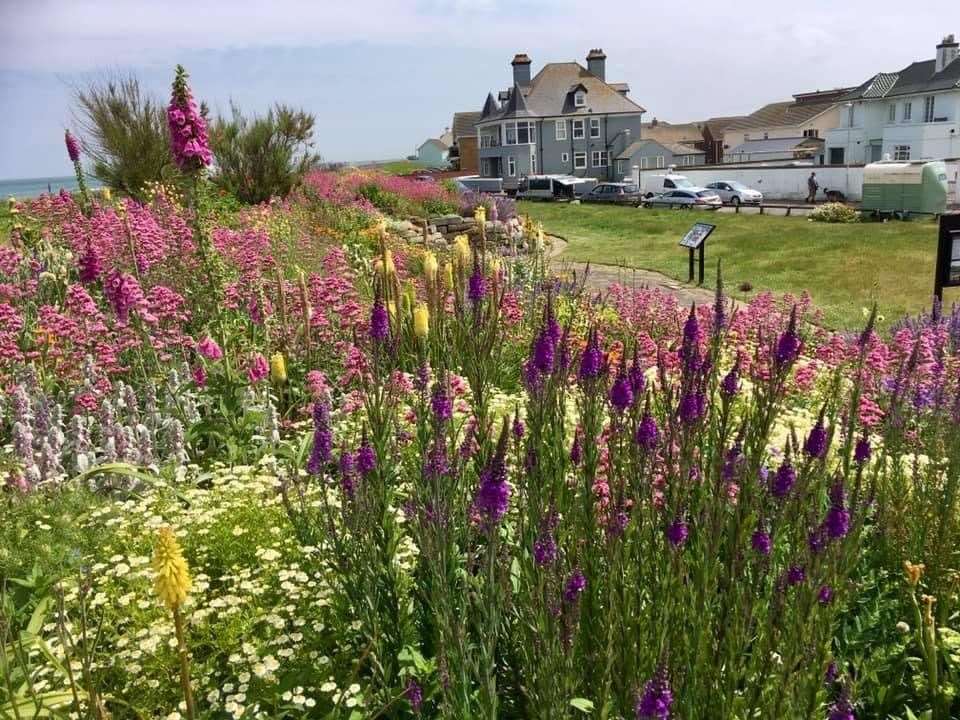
[(696, 240), (948, 254)]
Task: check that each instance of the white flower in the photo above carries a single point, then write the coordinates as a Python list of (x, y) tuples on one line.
[(328, 687)]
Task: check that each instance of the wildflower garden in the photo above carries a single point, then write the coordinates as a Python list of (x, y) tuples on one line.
[(274, 461)]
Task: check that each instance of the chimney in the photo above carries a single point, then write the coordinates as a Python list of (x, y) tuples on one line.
[(521, 69), (947, 52), (597, 63)]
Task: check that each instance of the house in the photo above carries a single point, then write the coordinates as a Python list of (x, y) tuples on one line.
[(808, 149), (911, 114), (690, 133), (465, 140), (713, 136), (565, 119), (808, 115), (649, 154), (433, 152)]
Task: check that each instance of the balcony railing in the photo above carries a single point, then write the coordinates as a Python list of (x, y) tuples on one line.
[(489, 141)]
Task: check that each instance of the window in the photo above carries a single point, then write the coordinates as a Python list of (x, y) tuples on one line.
[(928, 104), (521, 133), (511, 166), (644, 163), (901, 152), (836, 156), (811, 132), (621, 167), (579, 98), (580, 161), (578, 129), (561, 130), (766, 136), (907, 111), (850, 116), (599, 158), (668, 184), (660, 162), (564, 157), (892, 113), (594, 127)]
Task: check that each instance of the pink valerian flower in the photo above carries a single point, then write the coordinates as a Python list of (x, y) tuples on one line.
[(258, 369), (188, 130), (124, 293), (209, 349), (317, 384)]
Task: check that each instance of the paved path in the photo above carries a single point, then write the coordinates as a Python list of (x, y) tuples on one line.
[(600, 277)]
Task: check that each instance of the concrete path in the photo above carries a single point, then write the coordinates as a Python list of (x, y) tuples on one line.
[(601, 277)]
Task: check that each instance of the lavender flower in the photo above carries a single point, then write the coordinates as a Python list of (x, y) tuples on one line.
[(783, 480), (621, 394), (366, 458), (656, 700), (348, 467), (477, 287), (689, 349), (837, 522), (440, 403), (591, 363), (544, 549), (414, 695), (493, 495), (788, 346), (574, 586), (437, 464), (730, 385), (322, 439), (825, 595), (677, 533), (379, 321), (816, 443), (761, 542), (647, 433), (796, 574), (635, 375), (692, 407), (862, 451), (544, 352)]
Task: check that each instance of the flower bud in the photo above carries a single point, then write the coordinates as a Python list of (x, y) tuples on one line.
[(278, 368), (421, 320), (430, 266)]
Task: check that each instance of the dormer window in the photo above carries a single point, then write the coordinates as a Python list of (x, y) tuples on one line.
[(579, 98)]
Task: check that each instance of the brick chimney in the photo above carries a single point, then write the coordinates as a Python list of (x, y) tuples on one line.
[(947, 52), (521, 69), (597, 63)]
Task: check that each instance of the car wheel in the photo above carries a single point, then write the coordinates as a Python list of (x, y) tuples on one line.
[(735, 201)]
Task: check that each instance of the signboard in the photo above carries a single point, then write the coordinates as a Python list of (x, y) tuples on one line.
[(696, 235), (694, 241), (948, 254)]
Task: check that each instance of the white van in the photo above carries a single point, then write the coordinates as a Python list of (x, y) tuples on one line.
[(656, 184)]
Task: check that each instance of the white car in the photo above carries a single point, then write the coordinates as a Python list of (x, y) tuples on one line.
[(732, 192), (689, 198)]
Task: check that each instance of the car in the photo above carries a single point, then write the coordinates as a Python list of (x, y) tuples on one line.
[(736, 193), (653, 184), (614, 193), (688, 198)]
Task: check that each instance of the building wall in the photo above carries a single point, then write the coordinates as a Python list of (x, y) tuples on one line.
[(469, 157), (784, 183), (430, 154), (822, 123)]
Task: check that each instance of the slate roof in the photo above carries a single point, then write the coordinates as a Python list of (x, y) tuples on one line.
[(550, 94), (780, 114), (915, 78), (464, 122), (775, 145), (674, 148)]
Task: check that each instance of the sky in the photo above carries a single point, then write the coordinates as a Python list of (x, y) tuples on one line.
[(381, 76)]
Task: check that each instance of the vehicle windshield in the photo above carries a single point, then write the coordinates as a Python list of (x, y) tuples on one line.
[(681, 182), (631, 189)]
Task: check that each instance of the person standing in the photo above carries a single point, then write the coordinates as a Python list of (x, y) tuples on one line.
[(812, 187)]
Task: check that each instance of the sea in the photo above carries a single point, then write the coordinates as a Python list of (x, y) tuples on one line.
[(32, 187)]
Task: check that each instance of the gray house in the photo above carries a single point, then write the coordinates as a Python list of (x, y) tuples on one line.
[(651, 154), (566, 119)]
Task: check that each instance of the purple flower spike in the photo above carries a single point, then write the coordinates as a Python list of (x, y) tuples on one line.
[(73, 147), (647, 433), (825, 595), (477, 289), (730, 385), (677, 533), (414, 695), (796, 575), (379, 321), (544, 550), (621, 394), (576, 450), (493, 495), (862, 451), (788, 346), (783, 480), (574, 586), (816, 444), (440, 403), (692, 407), (322, 439), (761, 542), (656, 700), (544, 352), (591, 363)]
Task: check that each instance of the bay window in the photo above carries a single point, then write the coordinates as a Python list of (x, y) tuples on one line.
[(523, 132)]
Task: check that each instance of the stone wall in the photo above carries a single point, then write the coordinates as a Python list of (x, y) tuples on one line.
[(441, 230)]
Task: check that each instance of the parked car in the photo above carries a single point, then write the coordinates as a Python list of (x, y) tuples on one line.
[(689, 198), (616, 193), (553, 187), (475, 183), (653, 184), (732, 192)]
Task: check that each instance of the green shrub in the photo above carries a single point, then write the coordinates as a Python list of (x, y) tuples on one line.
[(261, 157), (835, 213)]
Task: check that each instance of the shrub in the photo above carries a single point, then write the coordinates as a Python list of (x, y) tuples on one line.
[(835, 213), (125, 134), (261, 157)]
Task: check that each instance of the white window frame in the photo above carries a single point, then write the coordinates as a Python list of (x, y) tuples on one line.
[(560, 131), (600, 158), (564, 157), (660, 161), (901, 152), (577, 157), (594, 127), (515, 126), (907, 111), (892, 113), (577, 130), (511, 166), (644, 163), (579, 99), (929, 108)]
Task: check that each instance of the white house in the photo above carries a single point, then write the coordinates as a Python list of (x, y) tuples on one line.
[(912, 114)]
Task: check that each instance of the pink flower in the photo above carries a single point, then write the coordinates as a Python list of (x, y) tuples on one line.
[(200, 376), (258, 370), (188, 129), (317, 384), (209, 349)]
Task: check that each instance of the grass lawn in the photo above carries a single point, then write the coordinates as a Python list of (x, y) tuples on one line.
[(401, 167), (844, 267)]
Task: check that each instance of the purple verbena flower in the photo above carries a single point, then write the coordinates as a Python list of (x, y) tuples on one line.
[(656, 700)]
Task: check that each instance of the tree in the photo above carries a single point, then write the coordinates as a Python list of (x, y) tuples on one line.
[(262, 156), (125, 133)]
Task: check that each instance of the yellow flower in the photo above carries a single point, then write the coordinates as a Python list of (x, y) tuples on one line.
[(105, 194), (421, 320), (448, 275), (480, 214), (172, 580), (496, 265), (278, 368), (913, 572), (388, 265), (430, 266), (461, 250)]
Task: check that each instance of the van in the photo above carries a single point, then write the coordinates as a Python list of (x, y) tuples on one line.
[(656, 184), (553, 187)]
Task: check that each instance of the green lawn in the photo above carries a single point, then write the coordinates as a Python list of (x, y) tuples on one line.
[(844, 267), (401, 167)]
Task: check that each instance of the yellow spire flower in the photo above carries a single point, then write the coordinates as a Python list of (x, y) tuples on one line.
[(421, 320), (388, 264), (172, 580), (480, 214), (461, 250), (430, 266), (448, 275), (278, 368), (105, 194)]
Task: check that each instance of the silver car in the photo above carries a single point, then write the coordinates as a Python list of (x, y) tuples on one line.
[(689, 198), (732, 192)]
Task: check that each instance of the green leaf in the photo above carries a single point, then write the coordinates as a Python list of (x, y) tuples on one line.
[(583, 705)]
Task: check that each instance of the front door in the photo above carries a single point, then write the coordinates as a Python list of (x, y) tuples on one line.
[(875, 147)]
